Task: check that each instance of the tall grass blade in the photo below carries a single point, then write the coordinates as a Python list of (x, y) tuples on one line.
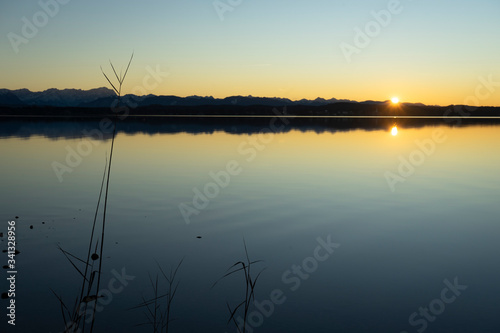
[(104, 221), (114, 71), (124, 75), (111, 83)]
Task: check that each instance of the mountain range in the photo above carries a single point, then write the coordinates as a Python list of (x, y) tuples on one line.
[(102, 101), (53, 97), (104, 97)]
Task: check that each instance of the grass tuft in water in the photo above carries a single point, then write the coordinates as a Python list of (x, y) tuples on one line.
[(159, 308), (84, 306), (250, 283)]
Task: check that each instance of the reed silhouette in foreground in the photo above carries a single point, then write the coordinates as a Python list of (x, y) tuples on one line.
[(158, 309), (83, 305), (250, 282), (83, 310)]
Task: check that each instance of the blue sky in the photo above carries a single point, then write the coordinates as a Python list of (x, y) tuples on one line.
[(432, 52)]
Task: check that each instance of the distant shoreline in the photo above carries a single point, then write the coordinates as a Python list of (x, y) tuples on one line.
[(336, 110), (255, 116), (73, 126)]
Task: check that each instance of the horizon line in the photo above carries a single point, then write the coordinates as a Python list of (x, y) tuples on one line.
[(339, 100)]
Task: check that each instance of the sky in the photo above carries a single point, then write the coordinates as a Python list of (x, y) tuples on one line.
[(434, 52)]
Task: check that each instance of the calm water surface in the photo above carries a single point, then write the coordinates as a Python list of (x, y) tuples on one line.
[(393, 251)]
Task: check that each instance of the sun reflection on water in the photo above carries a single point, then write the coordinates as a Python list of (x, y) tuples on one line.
[(394, 130)]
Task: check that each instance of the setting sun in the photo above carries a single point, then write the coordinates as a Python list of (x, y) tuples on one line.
[(395, 100)]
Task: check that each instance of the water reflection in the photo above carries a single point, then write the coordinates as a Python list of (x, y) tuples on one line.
[(56, 128), (394, 130), (310, 181)]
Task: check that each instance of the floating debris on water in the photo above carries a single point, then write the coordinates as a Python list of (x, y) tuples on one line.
[(31, 226), (94, 256), (198, 236)]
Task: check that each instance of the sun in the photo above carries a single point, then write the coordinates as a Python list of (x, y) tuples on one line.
[(395, 100)]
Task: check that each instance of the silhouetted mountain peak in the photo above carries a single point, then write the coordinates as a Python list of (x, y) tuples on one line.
[(8, 98), (64, 97), (105, 97)]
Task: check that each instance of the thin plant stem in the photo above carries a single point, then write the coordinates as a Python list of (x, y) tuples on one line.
[(103, 224)]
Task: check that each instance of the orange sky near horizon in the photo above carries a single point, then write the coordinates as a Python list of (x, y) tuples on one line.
[(420, 51)]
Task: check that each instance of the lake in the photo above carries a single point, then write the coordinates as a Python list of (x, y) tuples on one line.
[(360, 225)]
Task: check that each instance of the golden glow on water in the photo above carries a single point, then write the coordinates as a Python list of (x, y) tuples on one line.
[(197, 154), (394, 130)]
